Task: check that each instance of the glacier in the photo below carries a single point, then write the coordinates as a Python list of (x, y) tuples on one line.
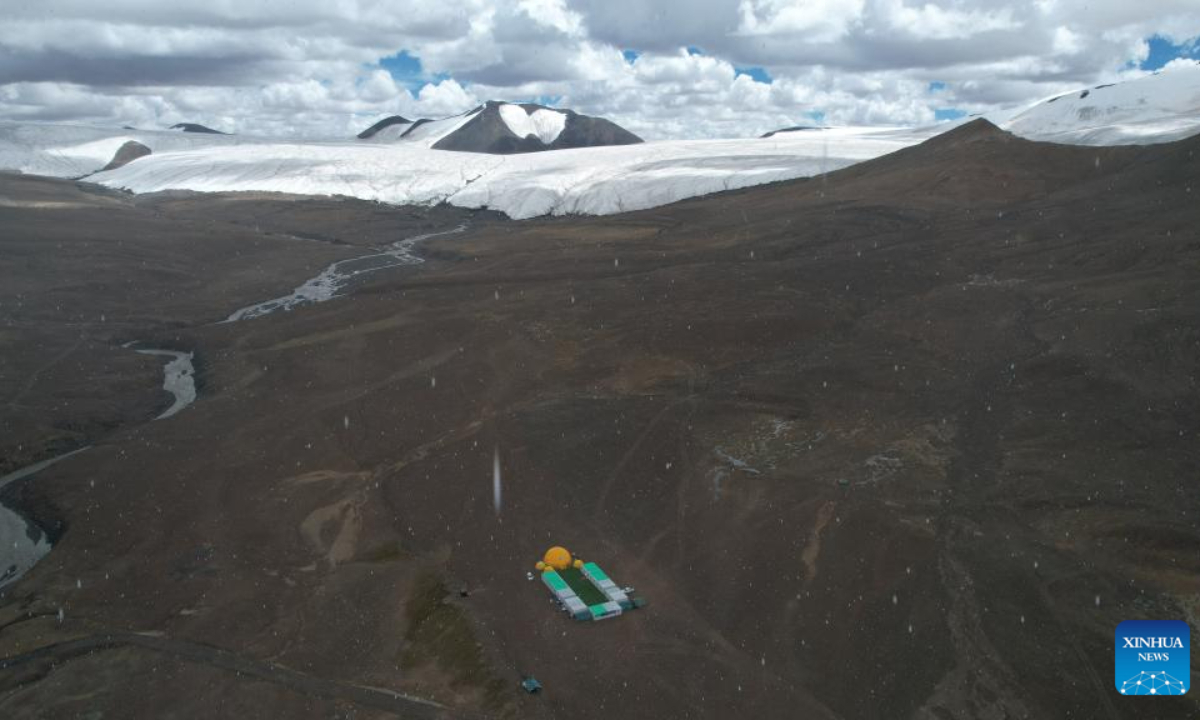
[(1152, 108)]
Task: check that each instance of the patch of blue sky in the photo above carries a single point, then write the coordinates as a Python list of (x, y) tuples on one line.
[(1163, 51), (406, 69), (757, 74), (944, 114)]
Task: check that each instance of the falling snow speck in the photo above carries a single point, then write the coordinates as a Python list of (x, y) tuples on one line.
[(496, 498)]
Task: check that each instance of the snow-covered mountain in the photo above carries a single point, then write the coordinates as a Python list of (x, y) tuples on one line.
[(1155, 108), (508, 128), (416, 133), (389, 128), (501, 128), (404, 162), (77, 150)]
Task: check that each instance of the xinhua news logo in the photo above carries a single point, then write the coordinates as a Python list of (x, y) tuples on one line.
[(1153, 657)]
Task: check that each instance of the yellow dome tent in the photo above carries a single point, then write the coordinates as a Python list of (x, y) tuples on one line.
[(556, 558)]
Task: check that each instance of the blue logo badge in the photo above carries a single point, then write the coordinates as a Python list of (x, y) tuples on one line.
[(1153, 657)]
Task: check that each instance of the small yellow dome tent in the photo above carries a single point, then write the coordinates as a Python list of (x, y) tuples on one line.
[(556, 558)]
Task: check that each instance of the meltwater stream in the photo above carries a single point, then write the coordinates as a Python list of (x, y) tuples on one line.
[(337, 276), (23, 543), (179, 379)]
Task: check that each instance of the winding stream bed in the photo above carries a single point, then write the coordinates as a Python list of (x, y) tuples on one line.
[(178, 379), (23, 543), (337, 276)]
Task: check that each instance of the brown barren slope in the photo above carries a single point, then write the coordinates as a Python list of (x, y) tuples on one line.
[(906, 440)]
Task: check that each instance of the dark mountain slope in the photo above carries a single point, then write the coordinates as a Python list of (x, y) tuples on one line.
[(384, 123), (126, 154), (196, 128), (487, 132)]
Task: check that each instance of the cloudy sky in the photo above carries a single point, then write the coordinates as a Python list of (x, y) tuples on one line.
[(696, 68)]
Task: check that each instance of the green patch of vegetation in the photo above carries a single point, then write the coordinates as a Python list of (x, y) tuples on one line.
[(441, 633)]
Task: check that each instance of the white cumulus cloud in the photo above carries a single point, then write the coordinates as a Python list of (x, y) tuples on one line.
[(316, 68)]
